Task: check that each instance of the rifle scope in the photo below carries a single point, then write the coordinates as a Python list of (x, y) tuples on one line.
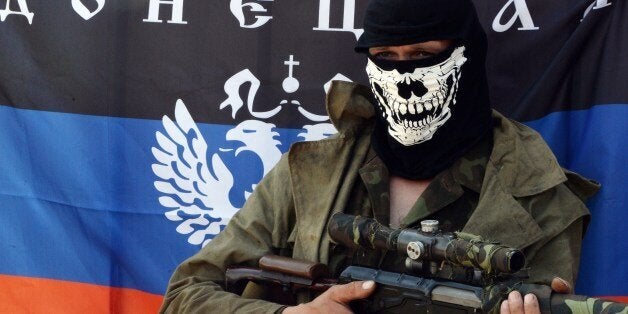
[(456, 248)]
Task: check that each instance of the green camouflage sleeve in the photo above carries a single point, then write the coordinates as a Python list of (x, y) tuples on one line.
[(551, 302), (569, 303)]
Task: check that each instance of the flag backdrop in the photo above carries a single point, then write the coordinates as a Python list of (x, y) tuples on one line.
[(130, 131)]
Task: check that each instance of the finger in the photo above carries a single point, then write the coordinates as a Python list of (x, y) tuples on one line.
[(352, 291), (531, 304), (504, 308), (560, 285), (515, 303)]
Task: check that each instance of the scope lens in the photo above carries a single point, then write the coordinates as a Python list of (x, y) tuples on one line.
[(517, 261)]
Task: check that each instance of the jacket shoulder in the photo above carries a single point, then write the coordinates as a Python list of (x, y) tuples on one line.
[(524, 162)]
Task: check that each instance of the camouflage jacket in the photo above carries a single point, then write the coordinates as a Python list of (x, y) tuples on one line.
[(526, 201)]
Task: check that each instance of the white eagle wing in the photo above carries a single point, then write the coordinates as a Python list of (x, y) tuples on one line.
[(196, 196)]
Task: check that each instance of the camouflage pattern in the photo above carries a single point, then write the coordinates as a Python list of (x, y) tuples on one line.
[(549, 302), (472, 251), (522, 201), (450, 197), (460, 249), (569, 304), (357, 231)]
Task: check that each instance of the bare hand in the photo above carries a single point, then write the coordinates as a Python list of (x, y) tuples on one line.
[(529, 304), (560, 285), (336, 299), (517, 305)]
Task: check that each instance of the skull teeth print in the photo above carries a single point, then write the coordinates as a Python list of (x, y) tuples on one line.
[(414, 111), (416, 104)]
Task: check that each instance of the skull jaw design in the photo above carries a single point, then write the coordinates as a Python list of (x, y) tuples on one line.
[(413, 118)]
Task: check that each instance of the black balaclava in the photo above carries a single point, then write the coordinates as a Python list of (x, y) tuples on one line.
[(430, 111)]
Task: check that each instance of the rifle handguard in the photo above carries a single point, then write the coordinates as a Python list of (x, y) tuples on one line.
[(294, 267)]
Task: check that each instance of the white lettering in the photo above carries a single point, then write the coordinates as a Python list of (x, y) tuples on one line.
[(598, 4), (23, 11), (521, 12), (348, 18), (237, 9), (177, 11), (84, 12)]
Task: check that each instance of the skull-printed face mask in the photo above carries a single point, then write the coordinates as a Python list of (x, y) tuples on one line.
[(413, 98), (430, 112)]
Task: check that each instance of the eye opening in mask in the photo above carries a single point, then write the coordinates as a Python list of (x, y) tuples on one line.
[(412, 64), (410, 51)]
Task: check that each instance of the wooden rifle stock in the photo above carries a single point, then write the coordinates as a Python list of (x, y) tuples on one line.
[(291, 274)]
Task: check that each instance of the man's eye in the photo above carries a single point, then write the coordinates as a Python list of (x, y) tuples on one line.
[(384, 55), (392, 56), (421, 55)]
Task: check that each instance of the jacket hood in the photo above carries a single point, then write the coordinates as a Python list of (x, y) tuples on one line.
[(349, 105)]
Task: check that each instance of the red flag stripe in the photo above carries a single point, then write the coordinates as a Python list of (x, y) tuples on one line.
[(37, 295), (622, 299)]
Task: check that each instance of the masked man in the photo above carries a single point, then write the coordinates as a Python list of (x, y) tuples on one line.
[(420, 143)]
